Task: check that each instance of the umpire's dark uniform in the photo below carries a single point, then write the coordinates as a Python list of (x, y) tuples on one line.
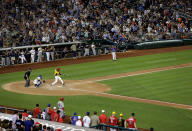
[(27, 77)]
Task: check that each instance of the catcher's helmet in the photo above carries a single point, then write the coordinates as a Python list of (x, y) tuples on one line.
[(61, 98), (40, 76)]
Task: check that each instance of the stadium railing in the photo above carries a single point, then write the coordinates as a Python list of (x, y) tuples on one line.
[(106, 127)]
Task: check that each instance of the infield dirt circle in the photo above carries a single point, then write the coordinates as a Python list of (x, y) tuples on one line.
[(71, 87)]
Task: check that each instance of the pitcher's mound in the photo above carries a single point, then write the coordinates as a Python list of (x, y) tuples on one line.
[(71, 87)]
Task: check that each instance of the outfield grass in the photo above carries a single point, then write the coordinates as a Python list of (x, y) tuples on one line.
[(172, 85), (159, 117)]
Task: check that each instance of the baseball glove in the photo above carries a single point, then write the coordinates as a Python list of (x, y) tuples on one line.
[(43, 81)]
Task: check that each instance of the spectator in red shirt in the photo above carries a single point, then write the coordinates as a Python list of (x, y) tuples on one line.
[(25, 114), (103, 117), (53, 113), (113, 121), (131, 122), (36, 112), (56, 116)]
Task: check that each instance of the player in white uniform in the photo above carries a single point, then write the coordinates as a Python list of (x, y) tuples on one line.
[(22, 57), (37, 82), (86, 50), (87, 120), (57, 77), (60, 105), (32, 51), (79, 122), (93, 49)]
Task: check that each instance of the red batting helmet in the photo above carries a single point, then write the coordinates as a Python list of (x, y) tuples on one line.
[(61, 98), (58, 69)]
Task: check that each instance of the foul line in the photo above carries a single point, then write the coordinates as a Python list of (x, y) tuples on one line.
[(139, 73)]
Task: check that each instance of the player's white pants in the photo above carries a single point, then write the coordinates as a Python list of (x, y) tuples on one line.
[(56, 80), (22, 59), (48, 56), (86, 52), (113, 129), (32, 58), (114, 55), (93, 50)]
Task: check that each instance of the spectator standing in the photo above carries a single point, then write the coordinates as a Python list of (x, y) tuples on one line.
[(29, 124), (27, 77), (87, 120), (95, 119), (48, 112), (39, 55), (74, 118), (131, 122), (74, 50), (60, 105), (56, 116), (32, 52), (36, 112), (79, 122), (20, 123), (25, 114), (14, 119), (103, 117), (53, 113), (3, 59), (113, 121), (121, 121)]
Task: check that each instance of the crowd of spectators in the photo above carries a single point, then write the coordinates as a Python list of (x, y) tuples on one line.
[(24, 121), (27, 22)]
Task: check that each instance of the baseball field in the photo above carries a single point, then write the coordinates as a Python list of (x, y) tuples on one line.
[(157, 87)]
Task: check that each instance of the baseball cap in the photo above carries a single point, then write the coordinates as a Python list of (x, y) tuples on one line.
[(113, 113), (74, 113), (103, 111), (37, 123), (79, 117), (88, 113), (29, 116), (49, 105), (54, 108), (121, 115)]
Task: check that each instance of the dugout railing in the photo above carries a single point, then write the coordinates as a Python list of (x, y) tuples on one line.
[(107, 127)]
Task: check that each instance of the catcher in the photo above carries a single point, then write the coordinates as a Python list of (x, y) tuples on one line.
[(38, 81), (57, 76)]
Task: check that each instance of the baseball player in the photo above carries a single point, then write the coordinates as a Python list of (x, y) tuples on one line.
[(113, 50), (131, 122), (37, 82), (22, 57), (60, 105), (57, 76), (86, 50), (32, 51), (113, 121)]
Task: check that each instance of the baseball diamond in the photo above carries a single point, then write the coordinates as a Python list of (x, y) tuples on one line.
[(88, 83)]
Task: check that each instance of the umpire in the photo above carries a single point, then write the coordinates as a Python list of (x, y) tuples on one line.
[(27, 77)]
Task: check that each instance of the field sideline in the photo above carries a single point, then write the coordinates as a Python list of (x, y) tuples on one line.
[(147, 116)]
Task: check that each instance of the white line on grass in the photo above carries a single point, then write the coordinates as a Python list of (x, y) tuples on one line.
[(126, 75)]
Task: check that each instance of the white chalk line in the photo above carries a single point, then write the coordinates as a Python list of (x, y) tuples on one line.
[(126, 75)]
